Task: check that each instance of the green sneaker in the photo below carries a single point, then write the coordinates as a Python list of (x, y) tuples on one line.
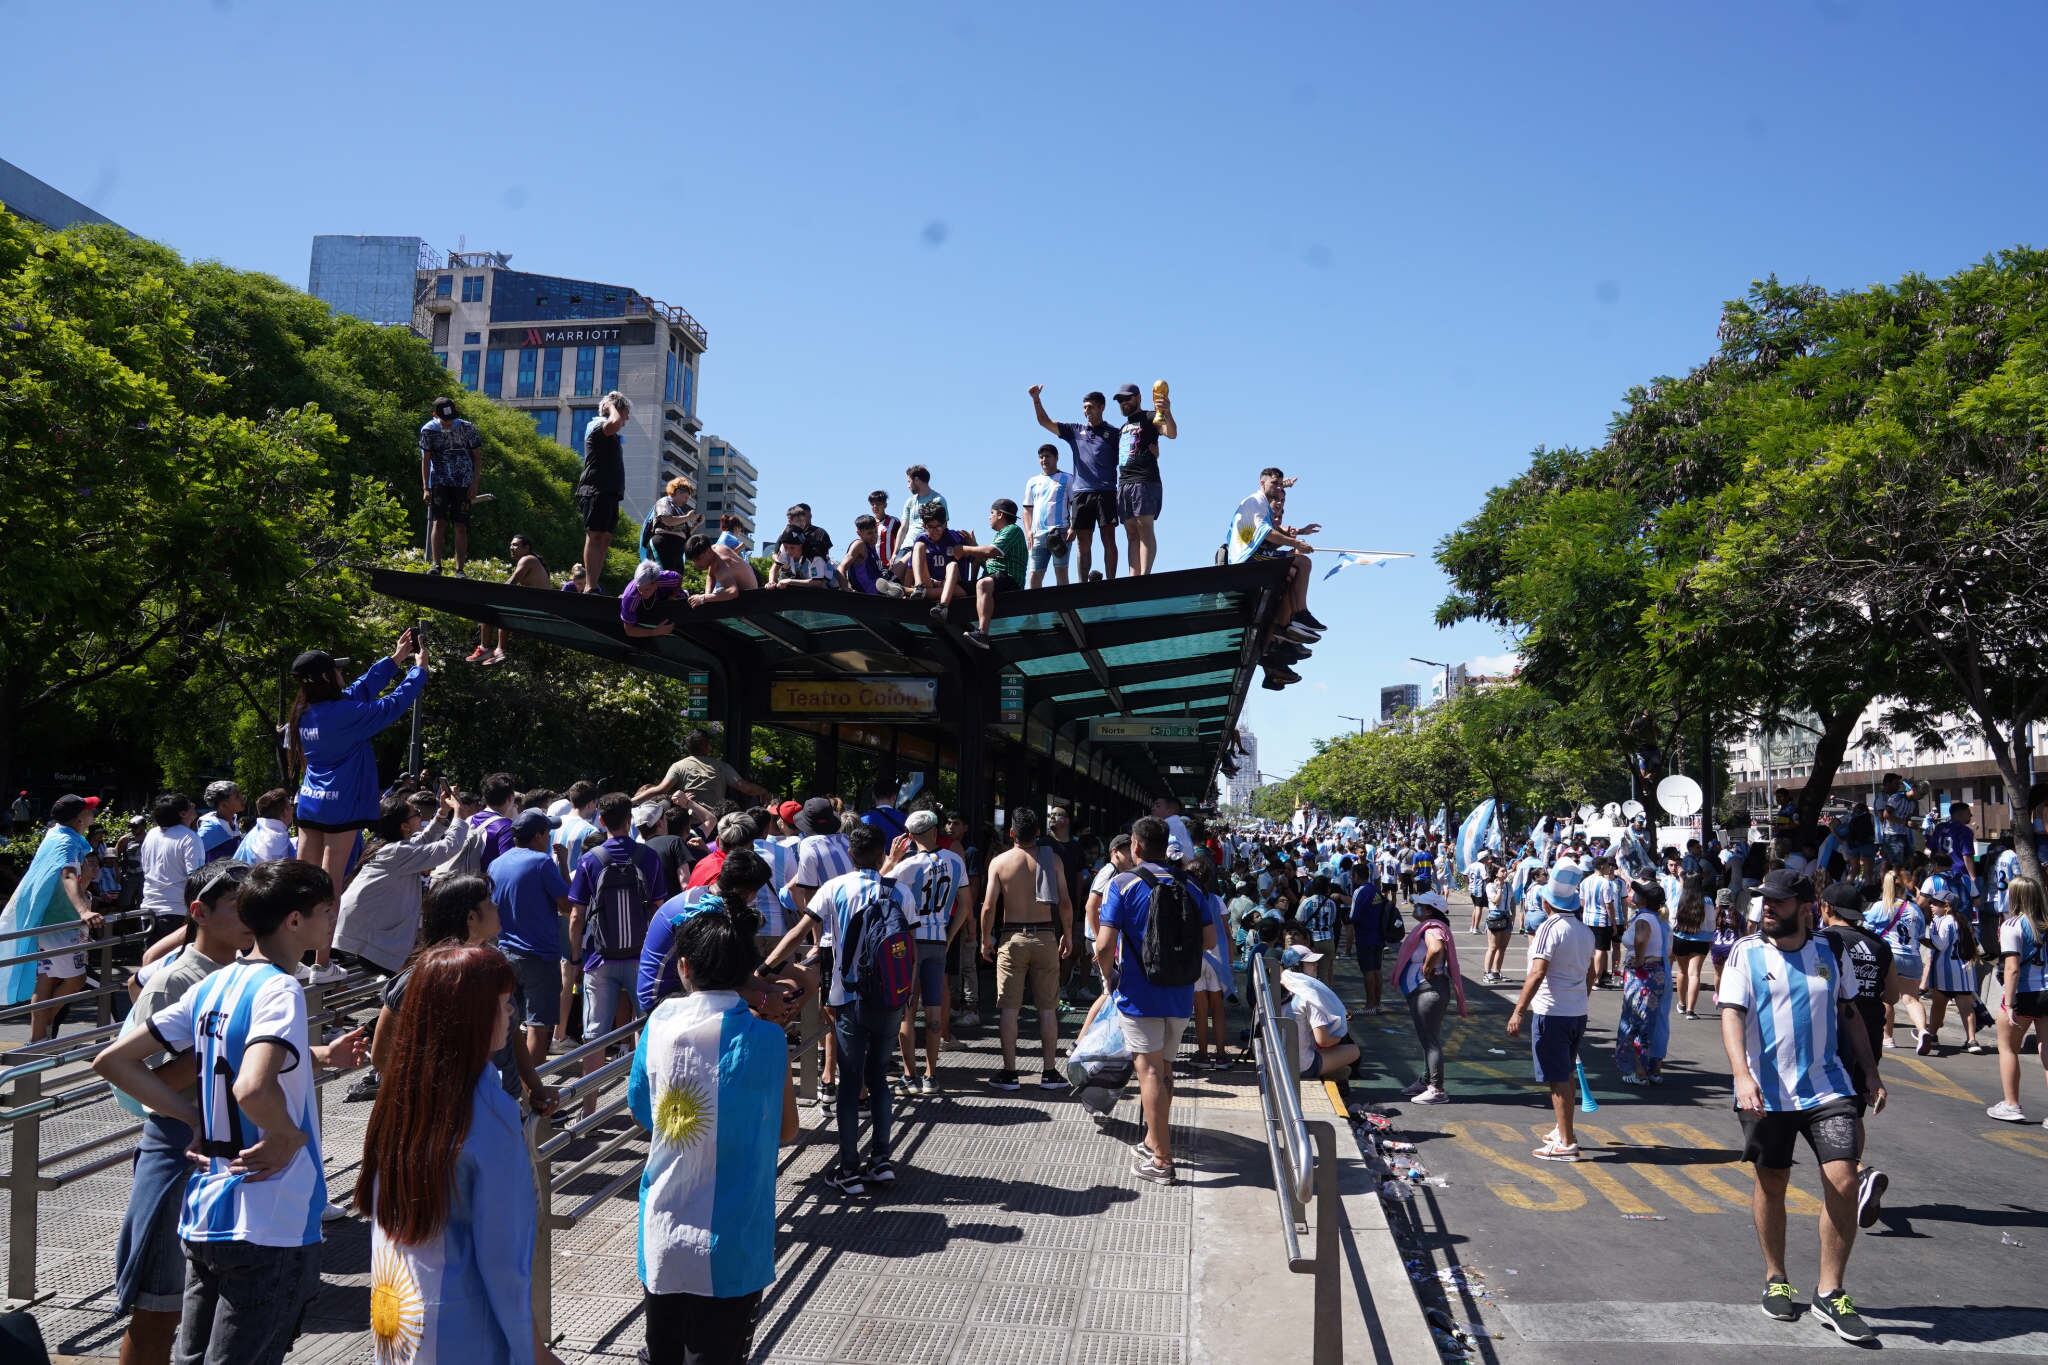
[(1778, 1301), (1838, 1311)]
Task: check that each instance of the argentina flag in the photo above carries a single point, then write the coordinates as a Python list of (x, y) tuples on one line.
[(707, 1084), (1477, 832)]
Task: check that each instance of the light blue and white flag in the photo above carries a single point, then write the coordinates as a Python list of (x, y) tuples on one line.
[(1361, 559), (1480, 830), (38, 900)]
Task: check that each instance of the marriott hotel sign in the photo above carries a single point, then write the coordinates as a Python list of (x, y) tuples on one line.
[(639, 332)]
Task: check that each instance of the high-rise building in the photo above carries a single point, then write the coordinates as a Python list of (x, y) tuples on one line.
[(372, 278), (546, 344), (30, 198), (1398, 698), (729, 484), (1239, 786)]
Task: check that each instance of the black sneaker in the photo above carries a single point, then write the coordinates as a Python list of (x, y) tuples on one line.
[(847, 1183), (1004, 1080), (1282, 672), (1272, 684), (1308, 618), (364, 1087), (1050, 1079), (975, 637), (1778, 1301), (939, 615), (1870, 1188), (1838, 1311), (879, 1173)]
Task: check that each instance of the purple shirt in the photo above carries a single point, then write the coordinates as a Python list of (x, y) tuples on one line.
[(583, 885), (497, 834), (667, 584)]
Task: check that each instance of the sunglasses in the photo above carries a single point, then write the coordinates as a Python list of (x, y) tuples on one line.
[(228, 878)]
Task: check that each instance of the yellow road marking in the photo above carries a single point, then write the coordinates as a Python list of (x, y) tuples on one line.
[(1674, 1189), (1563, 1197), (1709, 1178), (1931, 1081), (1610, 1189), (2026, 1143)]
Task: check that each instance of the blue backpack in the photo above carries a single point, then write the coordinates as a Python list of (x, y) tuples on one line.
[(881, 962)]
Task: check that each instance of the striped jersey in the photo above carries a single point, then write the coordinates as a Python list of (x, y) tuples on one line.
[(834, 907), (934, 881), (1318, 915), (1788, 1003), (1601, 897), (231, 1011), (706, 1083), (820, 858), (780, 855), (2017, 937), (2002, 872), (1952, 973)]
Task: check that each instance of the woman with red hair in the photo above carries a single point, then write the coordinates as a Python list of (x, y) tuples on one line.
[(446, 1180)]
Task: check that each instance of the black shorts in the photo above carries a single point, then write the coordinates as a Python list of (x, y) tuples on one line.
[(1603, 937), (2030, 1005), (449, 504), (1002, 583), (600, 511), (1371, 958), (1690, 947), (1140, 499), (1095, 505), (1834, 1131), (330, 827)]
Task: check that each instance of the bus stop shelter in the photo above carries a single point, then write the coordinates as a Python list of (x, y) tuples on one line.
[(1099, 695)]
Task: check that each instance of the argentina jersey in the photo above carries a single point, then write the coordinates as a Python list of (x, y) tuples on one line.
[(2017, 937), (934, 881), (1788, 1020), (1318, 915), (223, 1019), (780, 855)]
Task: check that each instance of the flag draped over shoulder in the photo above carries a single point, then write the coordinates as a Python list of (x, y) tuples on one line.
[(37, 901)]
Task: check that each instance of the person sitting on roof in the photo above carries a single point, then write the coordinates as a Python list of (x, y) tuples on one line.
[(651, 584), (935, 563), (1258, 532), (727, 573), (732, 534), (1006, 557), (866, 568), (528, 571), (795, 566)]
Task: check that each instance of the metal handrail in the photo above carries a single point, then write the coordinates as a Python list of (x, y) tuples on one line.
[(106, 922), (1279, 1090)]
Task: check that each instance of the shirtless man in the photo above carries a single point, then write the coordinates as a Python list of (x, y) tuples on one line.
[(1029, 885), (725, 570), (527, 572)]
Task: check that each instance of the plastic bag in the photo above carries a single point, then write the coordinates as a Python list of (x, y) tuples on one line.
[(1100, 1059)]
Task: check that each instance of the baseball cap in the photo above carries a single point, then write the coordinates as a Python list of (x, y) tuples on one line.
[(1432, 899), (789, 810), (1296, 955), (921, 822), (645, 814), (314, 663), (817, 817), (91, 802), (1783, 884), (1938, 889), (1128, 391), (1007, 506), (527, 821), (1846, 897)]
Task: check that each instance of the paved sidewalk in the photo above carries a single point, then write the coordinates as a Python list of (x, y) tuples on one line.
[(1016, 1233)]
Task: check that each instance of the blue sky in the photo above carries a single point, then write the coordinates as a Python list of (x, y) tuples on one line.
[(1390, 248)]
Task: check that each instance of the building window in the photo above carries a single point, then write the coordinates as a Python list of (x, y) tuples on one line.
[(586, 371), (472, 289), (690, 389), (551, 372), (469, 365), (548, 421), (444, 286), (579, 420), (668, 380), (611, 368), (529, 359), (472, 338), (494, 372), (441, 359), (713, 504)]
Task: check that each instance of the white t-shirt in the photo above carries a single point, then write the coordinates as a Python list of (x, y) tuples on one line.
[(2016, 937), (1314, 1005), (1177, 833), (1566, 947), (225, 1016), (1658, 948), (169, 856), (833, 906), (1047, 494)]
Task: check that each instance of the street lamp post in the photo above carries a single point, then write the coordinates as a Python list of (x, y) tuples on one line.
[(1359, 719), (1435, 663)]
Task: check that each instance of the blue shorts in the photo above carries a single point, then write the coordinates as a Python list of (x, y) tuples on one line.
[(603, 987), (540, 988), (1554, 1046), (1048, 547), (931, 974)]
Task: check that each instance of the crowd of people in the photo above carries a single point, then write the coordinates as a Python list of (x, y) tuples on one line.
[(1115, 484)]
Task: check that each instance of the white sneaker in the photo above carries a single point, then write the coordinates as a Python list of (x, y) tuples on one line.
[(2006, 1113), (1432, 1095), (333, 1213), (328, 975), (1889, 1045)]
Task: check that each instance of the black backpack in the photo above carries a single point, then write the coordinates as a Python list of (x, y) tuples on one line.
[(1171, 952), (620, 908)]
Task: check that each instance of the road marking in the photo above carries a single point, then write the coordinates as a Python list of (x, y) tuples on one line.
[(1610, 1189), (1564, 1197), (1708, 1176), (2023, 1141), (1931, 1081), (1674, 1189)]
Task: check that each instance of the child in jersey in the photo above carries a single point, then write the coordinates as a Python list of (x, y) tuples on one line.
[(251, 1218), (1951, 949), (2023, 968)]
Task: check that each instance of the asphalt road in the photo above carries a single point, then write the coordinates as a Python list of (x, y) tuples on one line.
[(1645, 1251)]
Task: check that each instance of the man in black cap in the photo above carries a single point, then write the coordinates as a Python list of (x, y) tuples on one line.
[(451, 463), (1005, 556), (1869, 958), (1781, 1028), (1140, 493)]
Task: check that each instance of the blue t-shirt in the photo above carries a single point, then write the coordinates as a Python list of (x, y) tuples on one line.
[(1365, 915), (527, 884), (1095, 453), (1126, 907)]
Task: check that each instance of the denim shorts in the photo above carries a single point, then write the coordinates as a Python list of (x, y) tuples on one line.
[(540, 988), (1050, 546), (603, 987), (244, 1302)]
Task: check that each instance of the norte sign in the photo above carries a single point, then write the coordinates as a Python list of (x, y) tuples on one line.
[(856, 697), (1142, 730)]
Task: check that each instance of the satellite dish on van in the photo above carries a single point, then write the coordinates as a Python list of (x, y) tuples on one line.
[(1588, 811), (1631, 809), (1612, 810), (1680, 796)]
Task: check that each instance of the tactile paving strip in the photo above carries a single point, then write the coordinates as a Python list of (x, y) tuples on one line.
[(1034, 1265), (1008, 1305), (1096, 1349), (1157, 1274), (1124, 1312), (884, 1341), (902, 1296)]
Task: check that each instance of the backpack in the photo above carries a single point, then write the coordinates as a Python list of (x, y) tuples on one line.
[(620, 909), (881, 964), (1391, 928), (1171, 952)]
